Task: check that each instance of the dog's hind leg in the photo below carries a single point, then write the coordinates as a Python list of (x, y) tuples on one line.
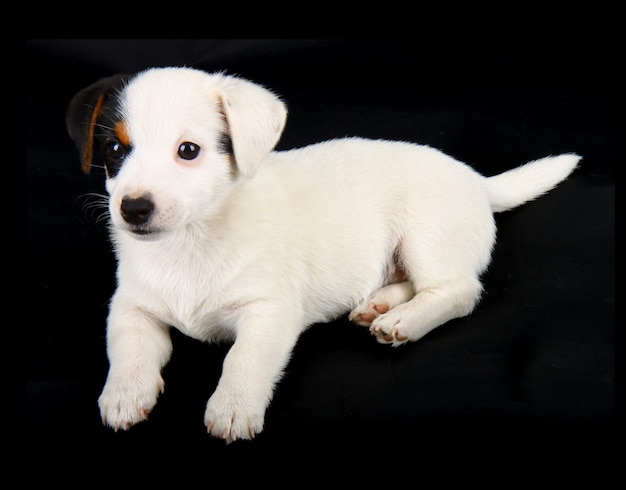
[(429, 308), (443, 265)]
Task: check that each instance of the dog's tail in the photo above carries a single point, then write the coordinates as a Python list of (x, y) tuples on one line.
[(527, 182)]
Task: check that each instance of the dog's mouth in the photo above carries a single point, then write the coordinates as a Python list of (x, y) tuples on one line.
[(141, 232), (144, 233)]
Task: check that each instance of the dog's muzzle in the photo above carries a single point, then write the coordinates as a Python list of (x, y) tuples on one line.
[(137, 213)]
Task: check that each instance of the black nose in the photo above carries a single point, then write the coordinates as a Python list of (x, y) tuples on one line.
[(137, 211)]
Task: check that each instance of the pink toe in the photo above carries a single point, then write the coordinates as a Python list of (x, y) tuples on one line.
[(381, 308)]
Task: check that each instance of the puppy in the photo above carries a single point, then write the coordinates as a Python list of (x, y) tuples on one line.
[(223, 238)]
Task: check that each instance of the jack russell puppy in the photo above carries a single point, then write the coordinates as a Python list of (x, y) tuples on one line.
[(223, 238)]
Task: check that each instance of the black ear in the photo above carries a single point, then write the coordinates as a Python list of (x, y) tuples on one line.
[(83, 113)]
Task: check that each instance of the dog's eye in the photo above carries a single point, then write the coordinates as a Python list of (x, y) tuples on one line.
[(115, 152), (188, 150)]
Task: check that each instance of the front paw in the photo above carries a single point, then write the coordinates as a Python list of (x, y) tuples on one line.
[(128, 400), (230, 418)]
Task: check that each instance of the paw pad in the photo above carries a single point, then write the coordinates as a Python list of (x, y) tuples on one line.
[(365, 318), (393, 337)]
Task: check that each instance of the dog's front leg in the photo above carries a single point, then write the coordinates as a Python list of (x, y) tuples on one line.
[(138, 346), (253, 365)]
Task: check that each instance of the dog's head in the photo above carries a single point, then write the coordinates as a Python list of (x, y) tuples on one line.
[(172, 142)]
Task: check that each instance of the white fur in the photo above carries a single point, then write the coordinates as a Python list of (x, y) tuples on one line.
[(255, 253)]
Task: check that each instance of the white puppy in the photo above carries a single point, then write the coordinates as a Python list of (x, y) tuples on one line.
[(225, 239)]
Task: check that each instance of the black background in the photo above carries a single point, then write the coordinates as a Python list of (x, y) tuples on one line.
[(529, 377)]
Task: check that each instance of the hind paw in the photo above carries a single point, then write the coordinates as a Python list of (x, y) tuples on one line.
[(386, 334), (365, 315), (380, 302)]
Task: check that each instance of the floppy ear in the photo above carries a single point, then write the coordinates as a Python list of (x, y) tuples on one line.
[(84, 111), (255, 119)]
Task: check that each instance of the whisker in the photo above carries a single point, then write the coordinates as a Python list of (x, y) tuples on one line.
[(95, 205), (103, 216)]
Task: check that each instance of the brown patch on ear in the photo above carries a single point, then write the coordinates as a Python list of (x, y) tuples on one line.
[(83, 114), (88, 148), (121, 131)]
